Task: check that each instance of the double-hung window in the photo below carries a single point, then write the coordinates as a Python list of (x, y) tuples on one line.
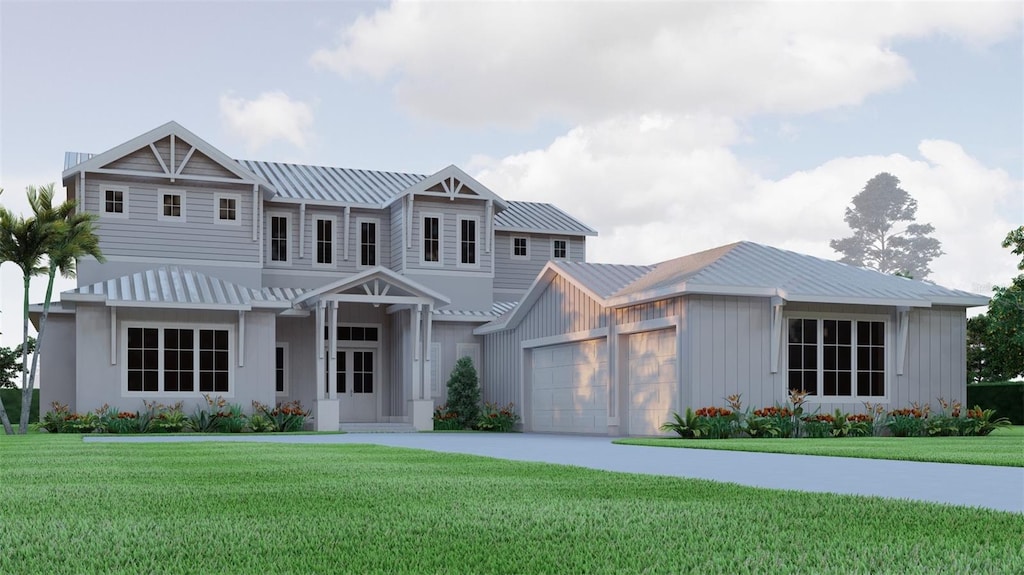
[(181, 359), (468, 241), (837, 358), (324, 240), (369, 242), (431, 231), (280, 230)]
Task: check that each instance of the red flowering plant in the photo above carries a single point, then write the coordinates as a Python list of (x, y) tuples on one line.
[(166, 418), (908, 422), (288, 416), (446, 419), (60, 419), (717, 422), (980, 422), (774, 421), (112, 420), (497, 418), (947, 421), (818, 425)]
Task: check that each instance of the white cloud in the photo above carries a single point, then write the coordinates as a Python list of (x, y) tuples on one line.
[(520, 62), (272, 116), (679, 189)]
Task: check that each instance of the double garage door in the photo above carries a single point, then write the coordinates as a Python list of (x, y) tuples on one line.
[(569, 385)]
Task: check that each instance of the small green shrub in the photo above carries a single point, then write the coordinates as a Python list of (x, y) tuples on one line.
[(689, 427), (284, 417), (496, 418), (167, 419), (909, 422), (260, 423), (231, 419), (204, 420), (818, 426), (981, 422), (464, 392), (719, 422)]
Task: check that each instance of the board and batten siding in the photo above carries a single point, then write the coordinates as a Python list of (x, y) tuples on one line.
[(98, 382), (449, 335), (142, 234), (513, 274), (450, 212), (936, 364), (561, 309)]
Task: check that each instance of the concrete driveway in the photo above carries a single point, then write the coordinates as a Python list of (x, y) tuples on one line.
[(1000, 488)]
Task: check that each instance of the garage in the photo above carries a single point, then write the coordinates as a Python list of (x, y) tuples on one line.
[(570, 388), (653, 387)]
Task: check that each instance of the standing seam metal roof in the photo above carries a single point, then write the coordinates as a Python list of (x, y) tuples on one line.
[(343, 185), (539, 216)]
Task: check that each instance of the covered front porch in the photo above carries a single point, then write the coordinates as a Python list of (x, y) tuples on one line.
[(370, 352)]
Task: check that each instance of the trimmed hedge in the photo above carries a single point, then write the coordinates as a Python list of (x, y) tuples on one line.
[(1006, 397), (12, 403)]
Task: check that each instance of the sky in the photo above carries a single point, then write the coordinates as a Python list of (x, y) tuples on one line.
[(670, 127)]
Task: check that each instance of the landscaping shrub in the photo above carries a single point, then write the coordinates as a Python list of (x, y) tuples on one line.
[(1006, 397), (159, 418), (464, 392), (907, 422), (689, 427), (496, 418), (445, 419), (290, 416)]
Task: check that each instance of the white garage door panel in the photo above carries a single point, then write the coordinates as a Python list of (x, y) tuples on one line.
[(569, 388), (653, 389)]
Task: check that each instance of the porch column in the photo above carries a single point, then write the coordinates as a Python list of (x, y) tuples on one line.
[(332, 351), (421, 408), (318, 341), (428, 311)]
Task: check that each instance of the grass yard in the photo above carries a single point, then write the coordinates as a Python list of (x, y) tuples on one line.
[(1004, 447), (71, 507)]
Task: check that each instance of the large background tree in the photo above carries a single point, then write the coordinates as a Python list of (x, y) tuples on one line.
[(885, 235), (995, 340)]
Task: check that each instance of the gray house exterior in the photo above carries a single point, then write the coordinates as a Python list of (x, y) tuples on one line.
[(355, 291)]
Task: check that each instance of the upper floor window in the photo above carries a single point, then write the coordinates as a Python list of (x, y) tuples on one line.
[(226, 207), (280, 229), (324, 240), (172, 206), (837, 358), (520, 247), (115, 201), (431, 239), (559, 249), (467, 241), (369, 242)]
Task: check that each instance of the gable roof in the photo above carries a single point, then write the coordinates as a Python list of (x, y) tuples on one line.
[(364, 278), (333, 185), (176, 287), (739, 269), (92, 162), (461, 180), (539, 217)]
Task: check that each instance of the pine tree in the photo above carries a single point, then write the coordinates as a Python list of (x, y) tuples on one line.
[(464, 392)]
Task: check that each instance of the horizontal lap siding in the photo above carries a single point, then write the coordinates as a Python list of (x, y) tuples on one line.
[(729, 351), (305, 259), (143, 234), (518, 273), (200, 164), (141, 160), (562, 308), (450, 212)]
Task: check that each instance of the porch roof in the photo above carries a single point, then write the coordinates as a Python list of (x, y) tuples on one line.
[(177, 287), (373, 286)]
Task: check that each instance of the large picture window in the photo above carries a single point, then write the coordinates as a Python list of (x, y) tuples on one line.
[(177, 360), (827, 356)]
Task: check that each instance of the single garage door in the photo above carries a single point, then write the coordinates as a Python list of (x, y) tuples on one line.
[(653, 389), (569, 388)]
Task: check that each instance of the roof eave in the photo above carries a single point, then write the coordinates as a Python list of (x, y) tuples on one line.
[(552, 232)]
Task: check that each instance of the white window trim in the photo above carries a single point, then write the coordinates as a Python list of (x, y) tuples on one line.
[(553, 241), (476, 242), (284, 393), (163, 192), (270, 238), (890, 356), (238, 209), (103, 202), (440, 239), (160, 326), (334, 241), (359, 241), (512, 248)]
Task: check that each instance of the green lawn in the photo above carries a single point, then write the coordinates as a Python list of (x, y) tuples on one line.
[(71, 507), (1004, 447)]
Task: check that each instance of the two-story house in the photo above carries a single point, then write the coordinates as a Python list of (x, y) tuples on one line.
[(355, 292)]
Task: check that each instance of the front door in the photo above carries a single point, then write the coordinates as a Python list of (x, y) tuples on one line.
[(357, 384)]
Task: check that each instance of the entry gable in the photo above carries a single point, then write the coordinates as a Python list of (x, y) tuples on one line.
[(169, 151), (375, 286), (452, 183)]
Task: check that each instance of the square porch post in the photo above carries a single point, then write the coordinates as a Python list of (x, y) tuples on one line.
[(421, 406), (327, 414)]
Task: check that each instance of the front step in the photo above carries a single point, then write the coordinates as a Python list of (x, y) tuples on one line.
[(378, 428)]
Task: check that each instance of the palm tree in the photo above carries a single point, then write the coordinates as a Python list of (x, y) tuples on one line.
[(73, 238), (24, 242)]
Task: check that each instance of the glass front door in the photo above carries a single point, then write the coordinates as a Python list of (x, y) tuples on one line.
[(357, 384)]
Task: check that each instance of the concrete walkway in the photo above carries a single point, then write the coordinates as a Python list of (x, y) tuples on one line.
[(1000, 488)]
